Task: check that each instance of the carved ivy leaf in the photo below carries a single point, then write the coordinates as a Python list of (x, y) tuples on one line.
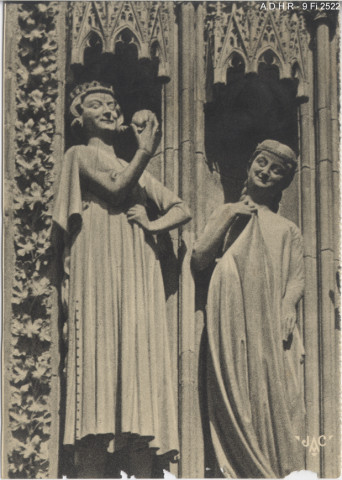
[(16, 398), (32, 328), (26, 246), (41, 373), (28, 169), (37, 71), (25, 388), (19, 204), (40, 286), (35, 126), (44, 138), (51, 68), (34, 35), (42, 7), (29, 450), (34, 195), (46, 425), (20, 292), (36, 101), (50, 45), (24, 130), (24, 15), (26, 50), (41, 473), (44, 334), (22, 76), (30, 22), (19, 421), (36, 440), (19, 375), (36, 408)]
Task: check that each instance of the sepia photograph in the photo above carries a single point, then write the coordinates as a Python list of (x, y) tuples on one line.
[(171, 239)]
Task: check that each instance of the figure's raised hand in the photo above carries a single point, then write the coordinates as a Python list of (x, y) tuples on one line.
[(245, 207), (146, 129), (138, 215)]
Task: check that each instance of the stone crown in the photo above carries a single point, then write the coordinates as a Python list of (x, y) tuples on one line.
[(90, 87), (76, 96)]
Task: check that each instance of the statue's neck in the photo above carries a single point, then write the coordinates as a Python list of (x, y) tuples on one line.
[(101, 144), (261, 198)]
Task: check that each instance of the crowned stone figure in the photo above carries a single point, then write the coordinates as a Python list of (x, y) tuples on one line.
[(119, 394)]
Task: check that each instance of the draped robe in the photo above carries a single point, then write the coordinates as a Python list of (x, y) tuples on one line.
[(254, 380), (119, 371)]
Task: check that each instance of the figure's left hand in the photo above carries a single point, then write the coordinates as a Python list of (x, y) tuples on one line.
[(289, 317), (138, 215)]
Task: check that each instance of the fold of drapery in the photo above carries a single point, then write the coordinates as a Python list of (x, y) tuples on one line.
[(254, 386), (119, 370), (68, 206)]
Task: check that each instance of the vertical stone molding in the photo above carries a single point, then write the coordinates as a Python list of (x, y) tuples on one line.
[(324, 169), (32, 364), (187, 389), (335, 139), (197, 65), (307, 172), (10, 57)]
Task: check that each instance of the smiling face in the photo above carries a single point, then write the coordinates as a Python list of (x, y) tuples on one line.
[(268, 172), (100, 113)]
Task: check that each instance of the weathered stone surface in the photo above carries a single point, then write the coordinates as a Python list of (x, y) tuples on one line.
[(187, 61)]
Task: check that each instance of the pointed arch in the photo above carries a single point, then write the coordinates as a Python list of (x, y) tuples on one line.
[(125, 40), (235, 66), (269, 64), (92, 47)]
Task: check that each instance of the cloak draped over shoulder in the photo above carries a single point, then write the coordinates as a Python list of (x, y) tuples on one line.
[(119, 371), (255, 395)]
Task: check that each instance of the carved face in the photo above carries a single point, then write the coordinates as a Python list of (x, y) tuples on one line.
[(267, 171), (100, 113)]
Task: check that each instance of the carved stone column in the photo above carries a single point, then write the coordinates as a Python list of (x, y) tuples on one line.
[(325, 209), (335, 297), (307, 173), (54, 271), (170, 172), (187, 365)]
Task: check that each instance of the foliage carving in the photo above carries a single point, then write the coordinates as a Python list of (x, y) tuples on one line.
[(30, 369)]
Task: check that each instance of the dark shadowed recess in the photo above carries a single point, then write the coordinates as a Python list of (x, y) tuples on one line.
[(134, 80), (248, 109)]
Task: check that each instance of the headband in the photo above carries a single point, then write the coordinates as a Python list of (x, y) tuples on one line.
[(282, 151)]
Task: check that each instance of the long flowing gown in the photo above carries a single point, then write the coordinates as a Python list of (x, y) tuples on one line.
[(254, 380), (119, 371)]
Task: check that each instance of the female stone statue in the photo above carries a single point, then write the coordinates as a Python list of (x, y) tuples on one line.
[(255, 350), (119, 390)]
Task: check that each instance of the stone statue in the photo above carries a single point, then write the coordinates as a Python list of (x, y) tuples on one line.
[(119, 394), (254, 368)]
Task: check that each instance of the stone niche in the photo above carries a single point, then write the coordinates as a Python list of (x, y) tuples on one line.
[(221, 76)]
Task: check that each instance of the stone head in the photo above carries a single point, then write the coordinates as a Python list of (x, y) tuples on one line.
[(271, 167), (94, 108)]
